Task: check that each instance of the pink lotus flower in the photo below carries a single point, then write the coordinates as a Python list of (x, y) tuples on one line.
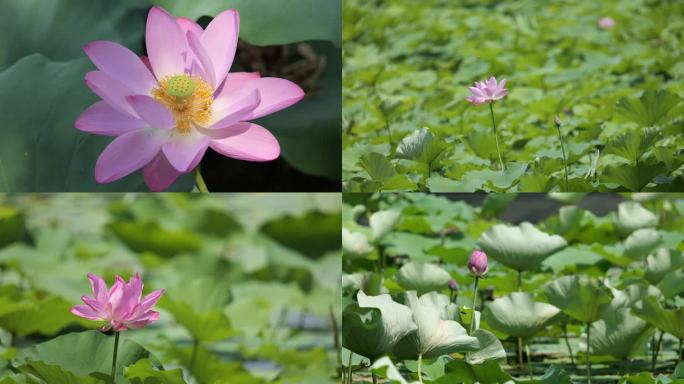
[(487, 92), (121, 307), (477, 264), (167, 109), (606, 23)]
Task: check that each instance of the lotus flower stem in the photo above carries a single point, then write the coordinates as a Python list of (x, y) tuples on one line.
[(472, 320), (496, 136), (349, 367), (375, 378), (588, 361), (520, 353), (116, 350), (529, 359), (420, 361), (565, 159), (389, 131), (199, 181), (656, 351), (567, 343), (193, 358), (679, 353)]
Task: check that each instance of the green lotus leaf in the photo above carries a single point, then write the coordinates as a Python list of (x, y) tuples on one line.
[(672, 284), (92, 357), (54, 374), (437, 332), (143, 372), (372, 327), (422, 277), (668, 320), (580, 297), (355, 244), (619, 334), (490, 348), (660, 263), (378, 166), (385, 368), (632, 216), (518, 315), (382, 222), (522, 247), (649, 109), (421, 146), (641, 242)]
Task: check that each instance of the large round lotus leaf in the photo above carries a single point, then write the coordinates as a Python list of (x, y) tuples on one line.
[(641, 242), (632, 216), (373, 326), (580, 297), (422, 277), (355, 244), (521, 247), (518, 315), (668, 320), (437, 334), (619, 334), (490, 348), (382, 222), (660, 263)]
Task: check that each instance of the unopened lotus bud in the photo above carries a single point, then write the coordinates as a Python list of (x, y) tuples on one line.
[(557, 121), (478, 263), (453, 285)]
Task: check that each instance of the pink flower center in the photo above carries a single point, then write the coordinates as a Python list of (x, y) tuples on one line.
[(188, 98)]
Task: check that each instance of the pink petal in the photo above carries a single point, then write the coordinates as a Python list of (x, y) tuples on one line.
[(189, 25), (165, 43), (150, 300), (183, 148), (153, 112), (476, 91), (85, 312), (126, 154), (502, 84), (110, 90), (239, 111), (276, 94), (220, 40), (98, 286), (146, 319), (203, 57), (97, 306), (491, 83), (101, 119), (160, 174), (254, 144), (238, 79), (123, 65)]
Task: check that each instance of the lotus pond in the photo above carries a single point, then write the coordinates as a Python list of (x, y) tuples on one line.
[(610, 71), (504, 288), (248, 296)]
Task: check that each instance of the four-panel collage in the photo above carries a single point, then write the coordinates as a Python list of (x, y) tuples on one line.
[(341, 191)]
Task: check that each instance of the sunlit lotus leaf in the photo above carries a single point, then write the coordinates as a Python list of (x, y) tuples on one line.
[(522, 247), (660, 263), (490, 348), (518, 315), (437, 333), (668, 320), (619, 334), (580, 297), (632, 216), (641, 242), (373, 326), (382, 222), (385, 368), (355, 244), (422, 277), (672, 284)]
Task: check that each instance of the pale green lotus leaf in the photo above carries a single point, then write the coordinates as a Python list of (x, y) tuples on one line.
[(632, 216), (660, 262), (385, 368), (518, 315), (355, 244), (522, 247), (373, 326), (580, 297), (437, 333), (619, 334), (422, 277), (490, 348), (641, 242), (382, 223), (668, 320)]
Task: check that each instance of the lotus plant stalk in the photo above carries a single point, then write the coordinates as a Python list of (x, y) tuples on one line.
[(567, 343), (349, 367), (529, 359), (656, 350), (588, 361), (478, 266), (679, 353), (193, 358), (453, 287), (116, 350), (487, 92), (557, 121), (199, 181), (420, 365)]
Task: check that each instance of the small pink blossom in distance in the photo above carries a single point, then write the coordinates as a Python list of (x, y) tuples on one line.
[(487, 91), (477, 264), (606, 22), (166, 109), (453, 285), (121, 307)]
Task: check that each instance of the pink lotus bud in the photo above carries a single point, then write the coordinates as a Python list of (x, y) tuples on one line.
[(606, 23), (557, 121), (453, 285), (478, 263), (121, 307)]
